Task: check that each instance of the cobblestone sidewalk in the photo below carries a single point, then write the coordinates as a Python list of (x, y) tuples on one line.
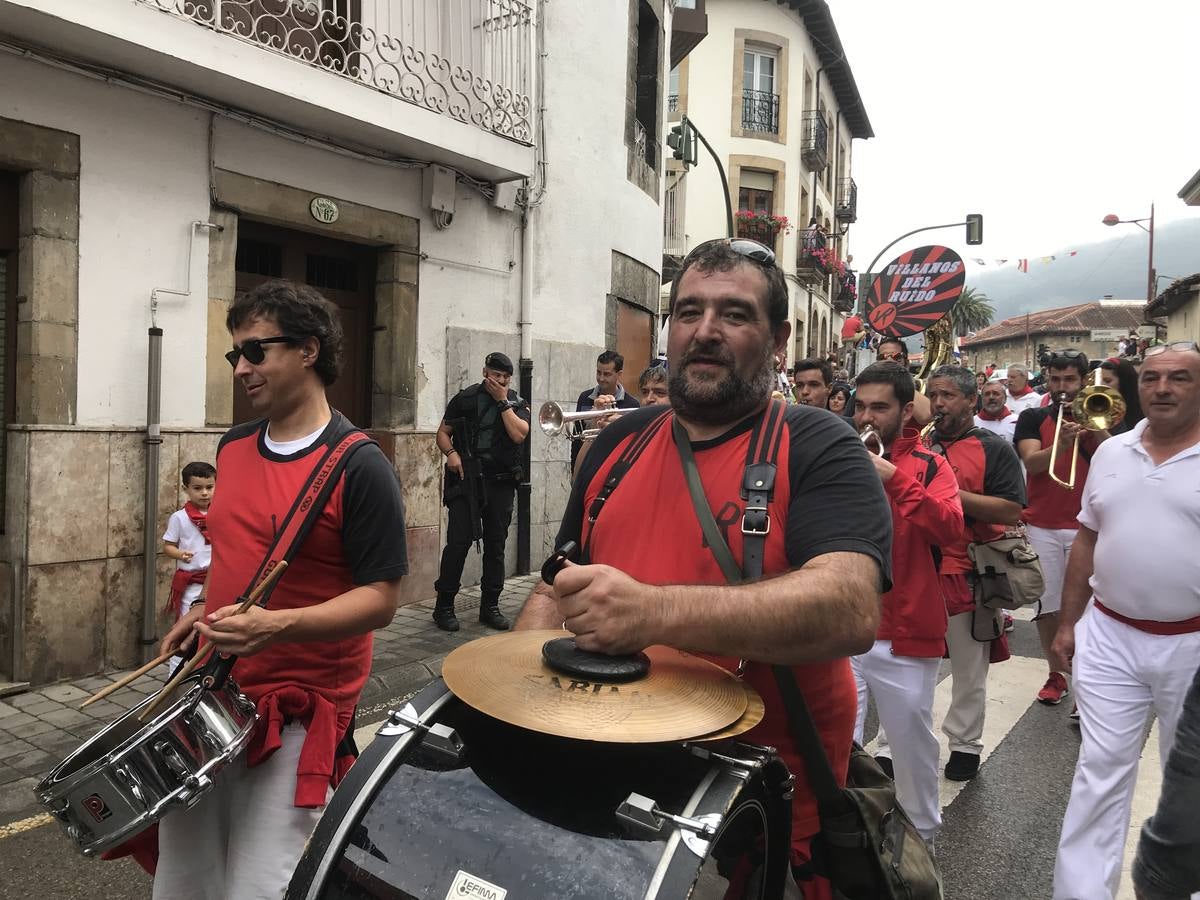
[(40, 727)]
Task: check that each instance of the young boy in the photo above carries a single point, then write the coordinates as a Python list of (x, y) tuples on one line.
[(186, 538)]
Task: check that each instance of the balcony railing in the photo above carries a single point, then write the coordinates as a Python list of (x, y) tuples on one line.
[(760, 111), (847, 204), (814, 140), (810, 256), (845, 291), (470, 61)]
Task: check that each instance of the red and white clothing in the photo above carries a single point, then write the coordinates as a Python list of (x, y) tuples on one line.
[(983, 463), (183, 533), (1027, 399), (358, 539), (1052, 513), (1136, 646), (1004, 425), (827, 498), (900, 670)]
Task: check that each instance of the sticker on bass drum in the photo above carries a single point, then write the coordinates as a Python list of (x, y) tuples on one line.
[(470, 886)]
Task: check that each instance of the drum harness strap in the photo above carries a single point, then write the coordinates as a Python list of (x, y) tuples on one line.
[(757, 487), (297, 525)]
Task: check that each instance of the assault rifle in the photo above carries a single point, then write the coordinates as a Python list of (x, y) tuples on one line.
[(472, 480)]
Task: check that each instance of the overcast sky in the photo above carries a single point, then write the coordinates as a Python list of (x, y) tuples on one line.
[(1044, 116)]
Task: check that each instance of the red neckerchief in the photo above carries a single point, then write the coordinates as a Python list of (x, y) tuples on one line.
[(199, 518), (1004, 414), (1028, 390)]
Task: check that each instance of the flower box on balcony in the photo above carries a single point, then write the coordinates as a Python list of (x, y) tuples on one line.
[(760, 226)]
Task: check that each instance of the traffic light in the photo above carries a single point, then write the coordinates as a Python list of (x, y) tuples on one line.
[(682, 141), (974, 228)]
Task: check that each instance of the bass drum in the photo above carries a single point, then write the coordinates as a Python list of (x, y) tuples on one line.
[(447, 802)]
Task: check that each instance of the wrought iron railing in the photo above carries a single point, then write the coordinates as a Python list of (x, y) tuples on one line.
[(845, 291), (760, 111), (469, 60), (814, 140), (810, 253), (847, 204), (756, 230)]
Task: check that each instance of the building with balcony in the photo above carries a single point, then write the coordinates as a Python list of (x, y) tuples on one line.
[(163, 155), (772, 91), (1180, 302)]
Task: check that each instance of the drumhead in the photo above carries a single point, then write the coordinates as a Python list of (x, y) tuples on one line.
[(519, 814)]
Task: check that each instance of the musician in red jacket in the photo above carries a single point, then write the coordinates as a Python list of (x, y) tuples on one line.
[(900, 670)]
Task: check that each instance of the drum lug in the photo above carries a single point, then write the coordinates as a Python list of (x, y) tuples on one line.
[(445, 742), (643, 814), (171, 757), (125, 773)]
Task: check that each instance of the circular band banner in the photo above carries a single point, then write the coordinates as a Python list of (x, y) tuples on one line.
[(915, 290)]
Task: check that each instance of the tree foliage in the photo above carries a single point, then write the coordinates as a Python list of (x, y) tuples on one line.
[(971, 312)]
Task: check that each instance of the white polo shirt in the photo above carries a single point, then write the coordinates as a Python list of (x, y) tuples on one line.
[(1006, 427), (1147, 519)]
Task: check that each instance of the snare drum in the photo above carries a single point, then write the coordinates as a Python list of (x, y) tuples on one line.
[(448, 802), (130, 775)]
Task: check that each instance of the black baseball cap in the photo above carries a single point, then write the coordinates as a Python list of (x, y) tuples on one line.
[(499, 362)]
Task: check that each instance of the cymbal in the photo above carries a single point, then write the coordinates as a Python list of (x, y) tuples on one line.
[(682, 697), (755, 710)]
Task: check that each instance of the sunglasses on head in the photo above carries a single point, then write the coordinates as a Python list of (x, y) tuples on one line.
[(753, 250), (1178, 346), (252, 349), (890, 356)]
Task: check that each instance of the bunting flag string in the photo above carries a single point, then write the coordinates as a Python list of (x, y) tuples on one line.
[(1023, 263)]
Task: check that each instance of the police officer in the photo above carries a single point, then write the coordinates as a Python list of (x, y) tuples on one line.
[(480, 434)]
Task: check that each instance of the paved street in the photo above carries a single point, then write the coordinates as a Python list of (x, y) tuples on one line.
[(997, 844)]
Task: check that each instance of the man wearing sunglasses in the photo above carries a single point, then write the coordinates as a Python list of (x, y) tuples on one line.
[(651, 578), (893, 349), (1131, 621), (304, 657), (1053, 510)]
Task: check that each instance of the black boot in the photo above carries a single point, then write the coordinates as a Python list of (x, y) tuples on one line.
[(490, 615), (443, 614)]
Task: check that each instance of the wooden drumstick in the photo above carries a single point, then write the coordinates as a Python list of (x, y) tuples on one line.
[(131, 677), (203, 653)]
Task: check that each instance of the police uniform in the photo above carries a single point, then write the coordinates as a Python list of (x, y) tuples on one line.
[(483, 437)]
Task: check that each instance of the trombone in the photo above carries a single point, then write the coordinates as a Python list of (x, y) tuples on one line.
[(1096, 408), (553, 421)]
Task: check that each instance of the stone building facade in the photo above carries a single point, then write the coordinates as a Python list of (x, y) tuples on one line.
[(155, 163)]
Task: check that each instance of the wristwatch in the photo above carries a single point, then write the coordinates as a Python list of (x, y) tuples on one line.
[(505, 404)]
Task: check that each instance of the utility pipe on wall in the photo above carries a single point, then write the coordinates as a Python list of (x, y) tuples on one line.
[(525, 388), (153, 442)]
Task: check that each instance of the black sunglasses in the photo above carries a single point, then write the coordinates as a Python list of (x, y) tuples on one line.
[(753, 250), (252, 349)]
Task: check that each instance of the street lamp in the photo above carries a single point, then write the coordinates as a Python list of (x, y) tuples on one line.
[(1111, 220)]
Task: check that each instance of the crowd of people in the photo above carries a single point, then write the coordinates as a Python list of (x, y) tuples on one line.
[(866, 604)]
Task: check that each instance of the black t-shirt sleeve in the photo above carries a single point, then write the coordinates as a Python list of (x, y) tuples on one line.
[(373, 535), (1002, 475), (1029, 425), (837, 503)]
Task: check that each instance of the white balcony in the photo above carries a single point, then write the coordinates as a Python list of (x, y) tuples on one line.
[(443, 80)]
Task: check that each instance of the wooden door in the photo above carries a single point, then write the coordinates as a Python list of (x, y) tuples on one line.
[(344, 274), (635, 330)]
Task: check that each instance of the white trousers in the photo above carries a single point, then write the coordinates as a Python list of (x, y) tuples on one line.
[(1120, 674), (190, 594), (903, 689), (243, 839), (1053, 547)]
